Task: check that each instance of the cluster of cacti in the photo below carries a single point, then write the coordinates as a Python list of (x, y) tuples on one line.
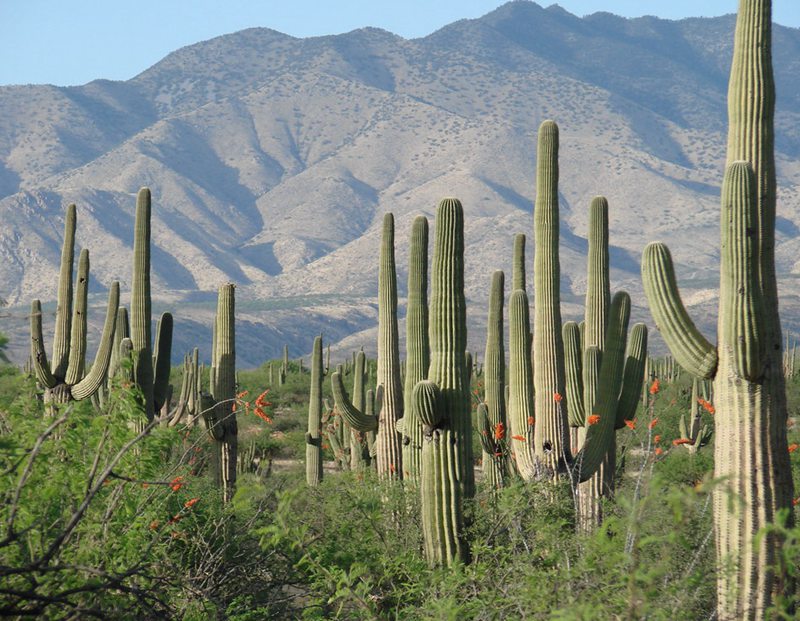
[(218, 407), (64, 378), (751, 454)]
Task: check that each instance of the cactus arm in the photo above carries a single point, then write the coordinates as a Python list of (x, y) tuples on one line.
[(600, 434), (573, 366), (63, 328), (520, 381), (633, 375), (77, 341), (162, 353), (91, 383), (690, 348), (38, 356), (356, 419)]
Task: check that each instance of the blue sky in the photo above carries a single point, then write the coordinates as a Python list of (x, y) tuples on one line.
[(67, 42)]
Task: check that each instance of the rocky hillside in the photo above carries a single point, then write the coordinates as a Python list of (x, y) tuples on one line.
[(272, 160)]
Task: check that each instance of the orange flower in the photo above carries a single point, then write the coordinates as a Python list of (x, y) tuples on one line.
[(593, 419), (557, 397), (680, 441), (261, 414), (174, 518), (793, 447), (652, 423), (796, 501), (176, 483), (242, 394), (530, 421), (659, 450), (260, 401), (154, 524), (630, 424), (707, 406), (520, 438), (499, 431), (392, 469), (498, 454), (190, 503), (657, 439), (654, 387)]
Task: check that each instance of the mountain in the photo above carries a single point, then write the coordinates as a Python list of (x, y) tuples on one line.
[(272, 160)]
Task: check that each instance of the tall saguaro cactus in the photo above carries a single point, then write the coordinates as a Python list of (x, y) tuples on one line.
[(153, 385), (63, 378), (750, 449), (443, 400), (551, 436), (494, 372), (314, 433), (417, 344), (218, 410), (388, 442)]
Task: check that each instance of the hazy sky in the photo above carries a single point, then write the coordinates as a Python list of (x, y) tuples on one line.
[(67, 42)]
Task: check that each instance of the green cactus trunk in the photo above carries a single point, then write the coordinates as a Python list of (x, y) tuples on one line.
[(388, 443), (520, 382), (221, 417), (443, 401), (494, 373), (359, 451), (417, 345), (313, 435), (551, 438)]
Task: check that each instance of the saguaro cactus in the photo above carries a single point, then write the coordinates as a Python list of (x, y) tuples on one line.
[(443, 400), (218, 410), (417, 344), (63, 379), (494, 365), (313, 435), (751, 448), (153, 385), (551, 437)]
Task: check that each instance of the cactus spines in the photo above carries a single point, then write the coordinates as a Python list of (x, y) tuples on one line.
[(494, 371), (633, 374), (417, 343), (313, 435), (388, 443), (551, 436), (573, 367), (518, 263), (690, 348), (356, 419), (61, 336)]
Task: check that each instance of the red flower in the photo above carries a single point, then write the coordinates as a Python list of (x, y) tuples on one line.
[(793, 447), (499, 431), (593, 419), (631, 424), (796, 501), (392, 469), (680, 441), (520, 438), (557, 397), (176, 483), (190, 503), (530, 421), (154, 524), (654, 387), (652, 423), (657, 439), (242, 394), (659, 450), (707, 406)]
